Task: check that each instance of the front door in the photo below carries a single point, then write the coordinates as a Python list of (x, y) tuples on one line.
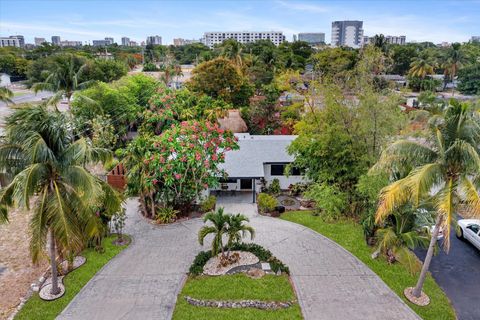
[(245, 184)]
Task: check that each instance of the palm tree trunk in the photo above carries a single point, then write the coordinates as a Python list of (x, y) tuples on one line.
[(53, 261), (426, 264)]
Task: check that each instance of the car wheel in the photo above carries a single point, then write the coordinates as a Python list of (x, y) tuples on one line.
[(459, 233)]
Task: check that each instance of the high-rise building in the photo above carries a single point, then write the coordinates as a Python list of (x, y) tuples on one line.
[(154, 40), (133, 44), (125, 41), (21, 40), (475, 39), (181, 42), (67, 43), (39, 41), (9, 42), (213, 38), (56, 40), (103, 43), (347, 33), (313, 38)]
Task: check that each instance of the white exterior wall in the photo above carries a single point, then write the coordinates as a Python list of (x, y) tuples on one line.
[(284, 180), (213, 38)]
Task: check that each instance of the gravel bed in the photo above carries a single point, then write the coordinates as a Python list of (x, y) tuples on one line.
[(212, 267)]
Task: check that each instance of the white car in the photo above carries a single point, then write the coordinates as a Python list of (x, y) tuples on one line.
[(469, 229)]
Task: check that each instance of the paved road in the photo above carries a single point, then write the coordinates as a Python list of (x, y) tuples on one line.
[(143, 281), (458, 274)]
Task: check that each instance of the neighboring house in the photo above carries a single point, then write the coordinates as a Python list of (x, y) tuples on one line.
[(260, 158)]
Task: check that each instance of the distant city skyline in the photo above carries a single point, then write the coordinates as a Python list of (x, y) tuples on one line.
[(446, 21)]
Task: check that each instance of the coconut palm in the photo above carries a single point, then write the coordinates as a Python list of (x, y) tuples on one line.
[(443, 170), (49, 176), (237, 229), (64, 79), (6, 95), (232, 50), (453, 61), (422, 67), (219, 226)]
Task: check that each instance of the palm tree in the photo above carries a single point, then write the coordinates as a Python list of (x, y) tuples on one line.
[(453, 61), (6, 95), (398, 239), (64, 79), (444, 170), (422, 67), (237, 230), (219, 226), (48, 168), (232, 50)]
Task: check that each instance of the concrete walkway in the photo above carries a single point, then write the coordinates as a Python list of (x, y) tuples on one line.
[(143, 281)]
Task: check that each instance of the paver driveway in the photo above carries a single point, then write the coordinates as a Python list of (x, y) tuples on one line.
[(143, 281)]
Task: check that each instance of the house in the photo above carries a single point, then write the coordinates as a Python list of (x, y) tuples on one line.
[(260, 159)]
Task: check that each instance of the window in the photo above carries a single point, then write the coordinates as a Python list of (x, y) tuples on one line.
[(277, 169), (228, 180), (474, 228), (295, 171)]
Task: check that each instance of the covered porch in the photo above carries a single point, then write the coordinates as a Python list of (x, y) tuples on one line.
[(241, 189)]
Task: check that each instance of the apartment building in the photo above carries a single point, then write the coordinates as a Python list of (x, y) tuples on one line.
[(313, 38), (11, 41), (39, 41), (213, 38), (125, 41), (56, 40), (347, 33), (154, 40)]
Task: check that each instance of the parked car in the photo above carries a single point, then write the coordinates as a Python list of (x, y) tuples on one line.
[(469, 229), (430, 231)]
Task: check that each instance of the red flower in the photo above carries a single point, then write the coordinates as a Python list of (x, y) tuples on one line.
[(178, 176)]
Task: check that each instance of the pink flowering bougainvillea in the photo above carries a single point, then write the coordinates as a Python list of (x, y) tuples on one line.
[(184, 160)]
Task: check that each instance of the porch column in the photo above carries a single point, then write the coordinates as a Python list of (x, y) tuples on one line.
[(253, 190)]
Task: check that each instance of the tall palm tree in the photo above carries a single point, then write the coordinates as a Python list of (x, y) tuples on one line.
[(454, 59), (48, 169), (6, 95), (237, 229), (64, 79), (444, 170), (219, 226)]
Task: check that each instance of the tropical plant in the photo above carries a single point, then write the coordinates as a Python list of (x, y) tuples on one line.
[(64, 79), (237, 229), (166, 214), (443, 170), (397, 240), (118, 223), (454, 59), (208, 204), (329, 200), (274, 187), (6, 95), (48, 166), (232, 50), (218, 227), (422, 67)]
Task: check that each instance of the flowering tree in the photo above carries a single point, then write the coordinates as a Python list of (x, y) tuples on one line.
[(183, 161)]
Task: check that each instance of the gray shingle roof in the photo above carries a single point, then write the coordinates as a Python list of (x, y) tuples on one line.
[(255, 150)]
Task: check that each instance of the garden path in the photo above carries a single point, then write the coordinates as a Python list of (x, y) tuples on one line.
[(143, 281)]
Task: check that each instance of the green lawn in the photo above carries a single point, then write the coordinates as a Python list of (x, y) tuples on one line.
[(349, 235), (36, 308), (236, 287)]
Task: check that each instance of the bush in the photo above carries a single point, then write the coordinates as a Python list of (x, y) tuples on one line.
[(200, 260), (329, 199), (166, 215), (150, 67), (266, 202), (260, 252), (274, 187), (297, 189), (208, 204)]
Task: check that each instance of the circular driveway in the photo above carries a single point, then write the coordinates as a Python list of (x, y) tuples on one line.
[(143, 281)]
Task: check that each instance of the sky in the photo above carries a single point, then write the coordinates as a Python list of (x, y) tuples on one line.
[(435, 21)]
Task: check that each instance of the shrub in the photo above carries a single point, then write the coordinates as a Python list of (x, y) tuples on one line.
[(208, 204), (329, 199), (200, 260), (150, 67), (266, 202), (166, 214), (297, 189), (260, 252), (274, 187)]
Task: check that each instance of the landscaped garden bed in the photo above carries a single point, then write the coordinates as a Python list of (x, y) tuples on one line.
[(350, 236), (74, 282)]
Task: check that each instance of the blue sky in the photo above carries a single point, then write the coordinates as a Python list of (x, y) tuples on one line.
[(86, 20)]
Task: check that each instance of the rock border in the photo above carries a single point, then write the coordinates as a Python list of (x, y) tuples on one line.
[(45, 294), (422, 301), (232, 304)]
